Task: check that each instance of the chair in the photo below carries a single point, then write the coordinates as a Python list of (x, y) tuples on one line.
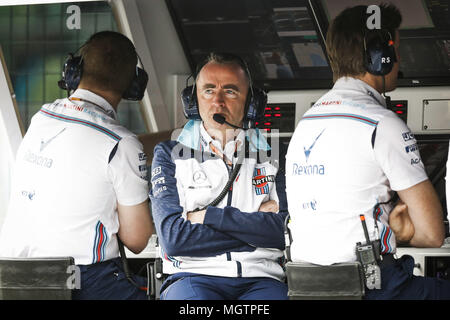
[(38, 278), (340, 281), (156, 278), (307, 281)]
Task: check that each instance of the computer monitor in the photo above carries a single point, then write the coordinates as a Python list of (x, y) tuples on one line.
[(283, 40), (279, 39), (424, 37), (434, 152)]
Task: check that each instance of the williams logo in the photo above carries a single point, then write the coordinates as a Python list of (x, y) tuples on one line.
[(261, 181), (308, 151)]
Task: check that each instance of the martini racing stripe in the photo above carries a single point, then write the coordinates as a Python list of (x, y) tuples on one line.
[(386, 233), (101, 238), (348, 116), (86, 123)]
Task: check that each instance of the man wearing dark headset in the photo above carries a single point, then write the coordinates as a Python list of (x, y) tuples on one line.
[(80, 177), (348, 155), (229, 246)]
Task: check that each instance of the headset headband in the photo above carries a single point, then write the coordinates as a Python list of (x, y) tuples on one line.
[(255, 103)]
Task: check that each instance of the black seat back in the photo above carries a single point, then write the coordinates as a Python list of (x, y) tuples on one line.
[(37, 278), (336, 282)]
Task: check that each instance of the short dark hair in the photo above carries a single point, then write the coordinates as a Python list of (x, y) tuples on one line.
[(224, 58), (109, 61), (345, 38)]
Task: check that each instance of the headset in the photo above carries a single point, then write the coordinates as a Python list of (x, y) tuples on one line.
[(255, 102), (73, 69), (379, 52)]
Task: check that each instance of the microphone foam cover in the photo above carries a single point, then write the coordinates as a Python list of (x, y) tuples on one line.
[(219, 118)]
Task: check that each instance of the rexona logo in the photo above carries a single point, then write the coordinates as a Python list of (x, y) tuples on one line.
[(307, 170)]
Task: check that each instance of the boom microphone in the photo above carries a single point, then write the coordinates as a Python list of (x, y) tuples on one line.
[(217, 117)]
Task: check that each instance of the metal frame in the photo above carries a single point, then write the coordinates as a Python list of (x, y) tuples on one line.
[(11, 134), (130, 24)]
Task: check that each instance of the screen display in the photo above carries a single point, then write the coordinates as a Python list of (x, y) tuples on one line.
[(425, 57), (414, 12), (283, 40), (277, 38), (424, 37), (434, 152), (366, 255)]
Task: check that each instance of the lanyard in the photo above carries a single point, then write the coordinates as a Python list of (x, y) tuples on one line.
[(221, 154)]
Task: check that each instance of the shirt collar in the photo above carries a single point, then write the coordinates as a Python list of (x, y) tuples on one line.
[(206, 140), (349, 83), (195, 137), (96, 100)]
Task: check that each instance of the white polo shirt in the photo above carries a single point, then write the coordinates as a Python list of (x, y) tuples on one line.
[(347, 154), (68, 180)]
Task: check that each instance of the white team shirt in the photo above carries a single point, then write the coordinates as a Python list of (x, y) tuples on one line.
[(65, 187), (334, 173)]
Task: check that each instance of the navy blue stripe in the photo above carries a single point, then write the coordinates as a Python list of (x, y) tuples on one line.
[(239, 269)]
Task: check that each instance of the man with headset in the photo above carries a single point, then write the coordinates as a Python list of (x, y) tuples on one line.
[(80, 177), (218, 203), (348, 155)]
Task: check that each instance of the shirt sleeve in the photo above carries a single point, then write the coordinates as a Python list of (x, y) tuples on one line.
[(128, 172), (397, 152)]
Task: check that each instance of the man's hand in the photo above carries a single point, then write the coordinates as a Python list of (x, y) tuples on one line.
[(401, 224), (196, 216), (269, 206)]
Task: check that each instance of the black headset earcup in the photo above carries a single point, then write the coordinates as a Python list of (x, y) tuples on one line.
[(71, 73), (379, 56), (256, 106), (73, 69), (189, 101), (135, 91)]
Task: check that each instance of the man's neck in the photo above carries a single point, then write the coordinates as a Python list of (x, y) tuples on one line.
[(222, 135), (375, 82), (112, 98)]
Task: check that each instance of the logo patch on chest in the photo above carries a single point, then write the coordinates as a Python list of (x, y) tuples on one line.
[(261, 181), (199, 177)]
